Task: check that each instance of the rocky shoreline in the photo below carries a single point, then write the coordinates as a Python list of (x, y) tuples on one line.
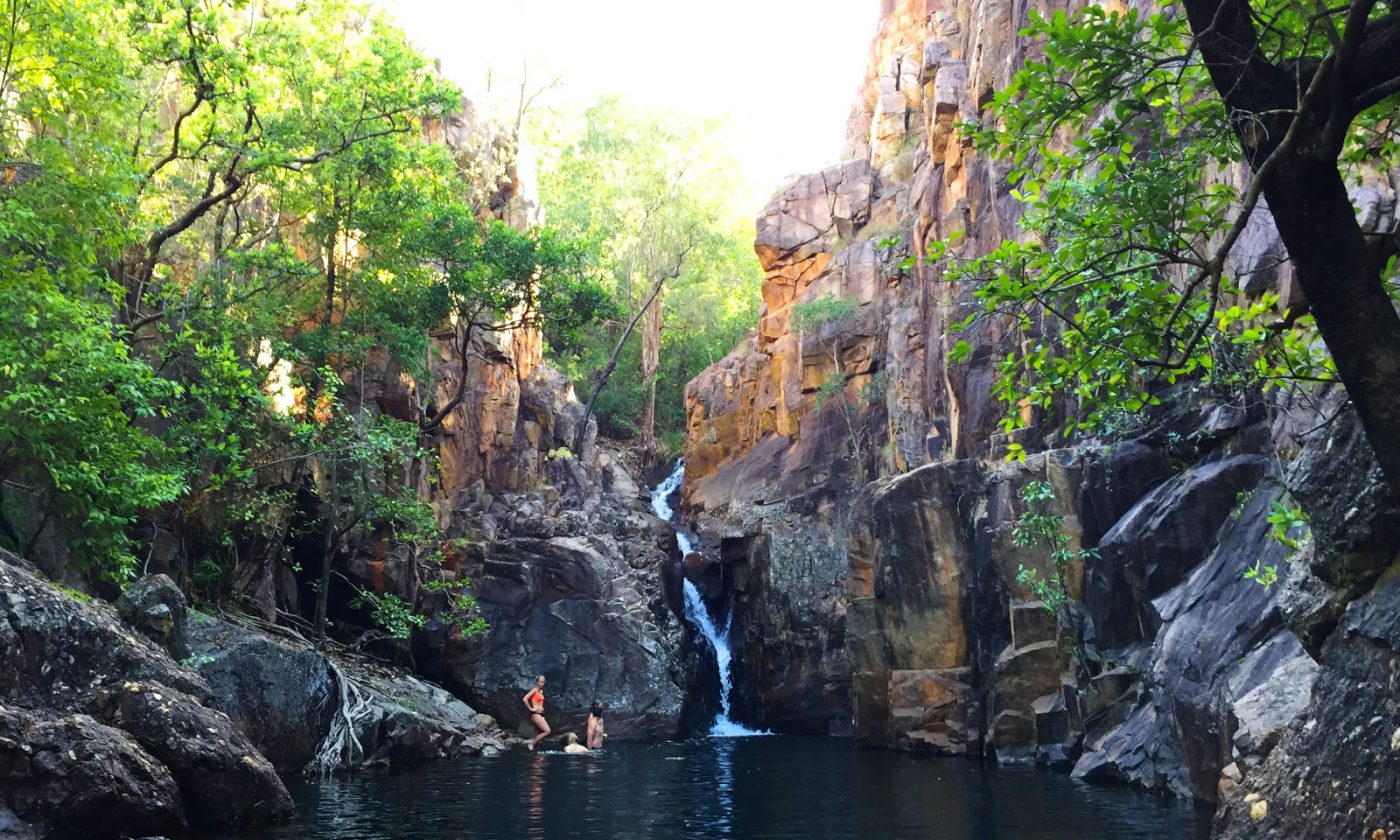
[(103, 733)]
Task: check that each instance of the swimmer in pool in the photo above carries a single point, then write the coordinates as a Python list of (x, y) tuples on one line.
[(593, 731), (572, 746)]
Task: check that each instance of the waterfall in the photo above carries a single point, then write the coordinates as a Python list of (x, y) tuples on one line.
[(698, 615), (662, 508)]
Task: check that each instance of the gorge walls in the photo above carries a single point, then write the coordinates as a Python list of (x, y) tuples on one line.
[(869, 534)]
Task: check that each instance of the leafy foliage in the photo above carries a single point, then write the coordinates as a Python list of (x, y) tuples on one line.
[(215, 219), (1114, 142), (1038, 527), (645, 192), (810, 316)]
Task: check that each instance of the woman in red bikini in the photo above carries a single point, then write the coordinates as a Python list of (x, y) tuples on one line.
[(534, 703)]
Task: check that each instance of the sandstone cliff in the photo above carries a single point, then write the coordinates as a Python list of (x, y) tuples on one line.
[(884, 575)]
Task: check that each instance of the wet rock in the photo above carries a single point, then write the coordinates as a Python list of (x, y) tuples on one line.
[(223, 779), (706, 574), (1142, 751), (278, 692), (156, 606), (75, 777)]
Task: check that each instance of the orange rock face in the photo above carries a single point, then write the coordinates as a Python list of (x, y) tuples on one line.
[(909, 179)]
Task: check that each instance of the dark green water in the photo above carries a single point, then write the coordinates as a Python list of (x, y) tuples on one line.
[(766, 787)]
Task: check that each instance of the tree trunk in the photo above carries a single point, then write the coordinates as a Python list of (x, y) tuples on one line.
[(329, 542), (582, 433), (1342, 282), (1291, 125), (651, 361), (323, 593)]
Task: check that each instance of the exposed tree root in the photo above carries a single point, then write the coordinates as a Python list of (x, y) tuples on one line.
[(341, 748)]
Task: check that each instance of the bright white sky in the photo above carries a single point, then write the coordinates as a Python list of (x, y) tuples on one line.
[(783, 73)]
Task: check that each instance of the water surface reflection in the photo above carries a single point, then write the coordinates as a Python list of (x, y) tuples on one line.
[(773, 788)]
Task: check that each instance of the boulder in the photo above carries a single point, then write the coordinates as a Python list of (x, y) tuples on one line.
[(574, 609), (706, 574), (1223, 666), (1143, 751), (75, 777), (1337, 774), (223, 779), (1026, 684), (156, 606), (1157, 543), (928, 711), (54, 647), (283, 694), (62, 658), (280, 693), (909, 570), (1032, 623), (410, 720)]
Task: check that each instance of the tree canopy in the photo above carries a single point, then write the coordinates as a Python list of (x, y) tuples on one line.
[(212, 215), (1142, 146), (648, 192)]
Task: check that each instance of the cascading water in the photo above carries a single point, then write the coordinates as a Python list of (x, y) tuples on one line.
[(698, 615)]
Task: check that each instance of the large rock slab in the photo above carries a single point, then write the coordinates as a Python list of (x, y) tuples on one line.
[(574, 609), (908, 580), (280, 693), (1226, 675), (55, 648), (284, 694), (76, 777), (223, 779), (1157, 543)]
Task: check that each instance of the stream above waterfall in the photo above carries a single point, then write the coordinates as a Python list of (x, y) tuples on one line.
[(775, 787)]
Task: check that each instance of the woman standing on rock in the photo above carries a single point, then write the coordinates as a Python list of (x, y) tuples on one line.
[(534, 703)]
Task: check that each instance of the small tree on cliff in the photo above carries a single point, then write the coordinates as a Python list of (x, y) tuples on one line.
[(494, 279), (1130, 237), (820, 319), (1039, 527)]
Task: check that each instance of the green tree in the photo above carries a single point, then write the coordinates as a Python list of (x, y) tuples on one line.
[(647, 192), (213, 218), (1129, 238)]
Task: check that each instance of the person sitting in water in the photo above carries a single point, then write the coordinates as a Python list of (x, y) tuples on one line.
[(593, 731), (572, 746), (534, 703)]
